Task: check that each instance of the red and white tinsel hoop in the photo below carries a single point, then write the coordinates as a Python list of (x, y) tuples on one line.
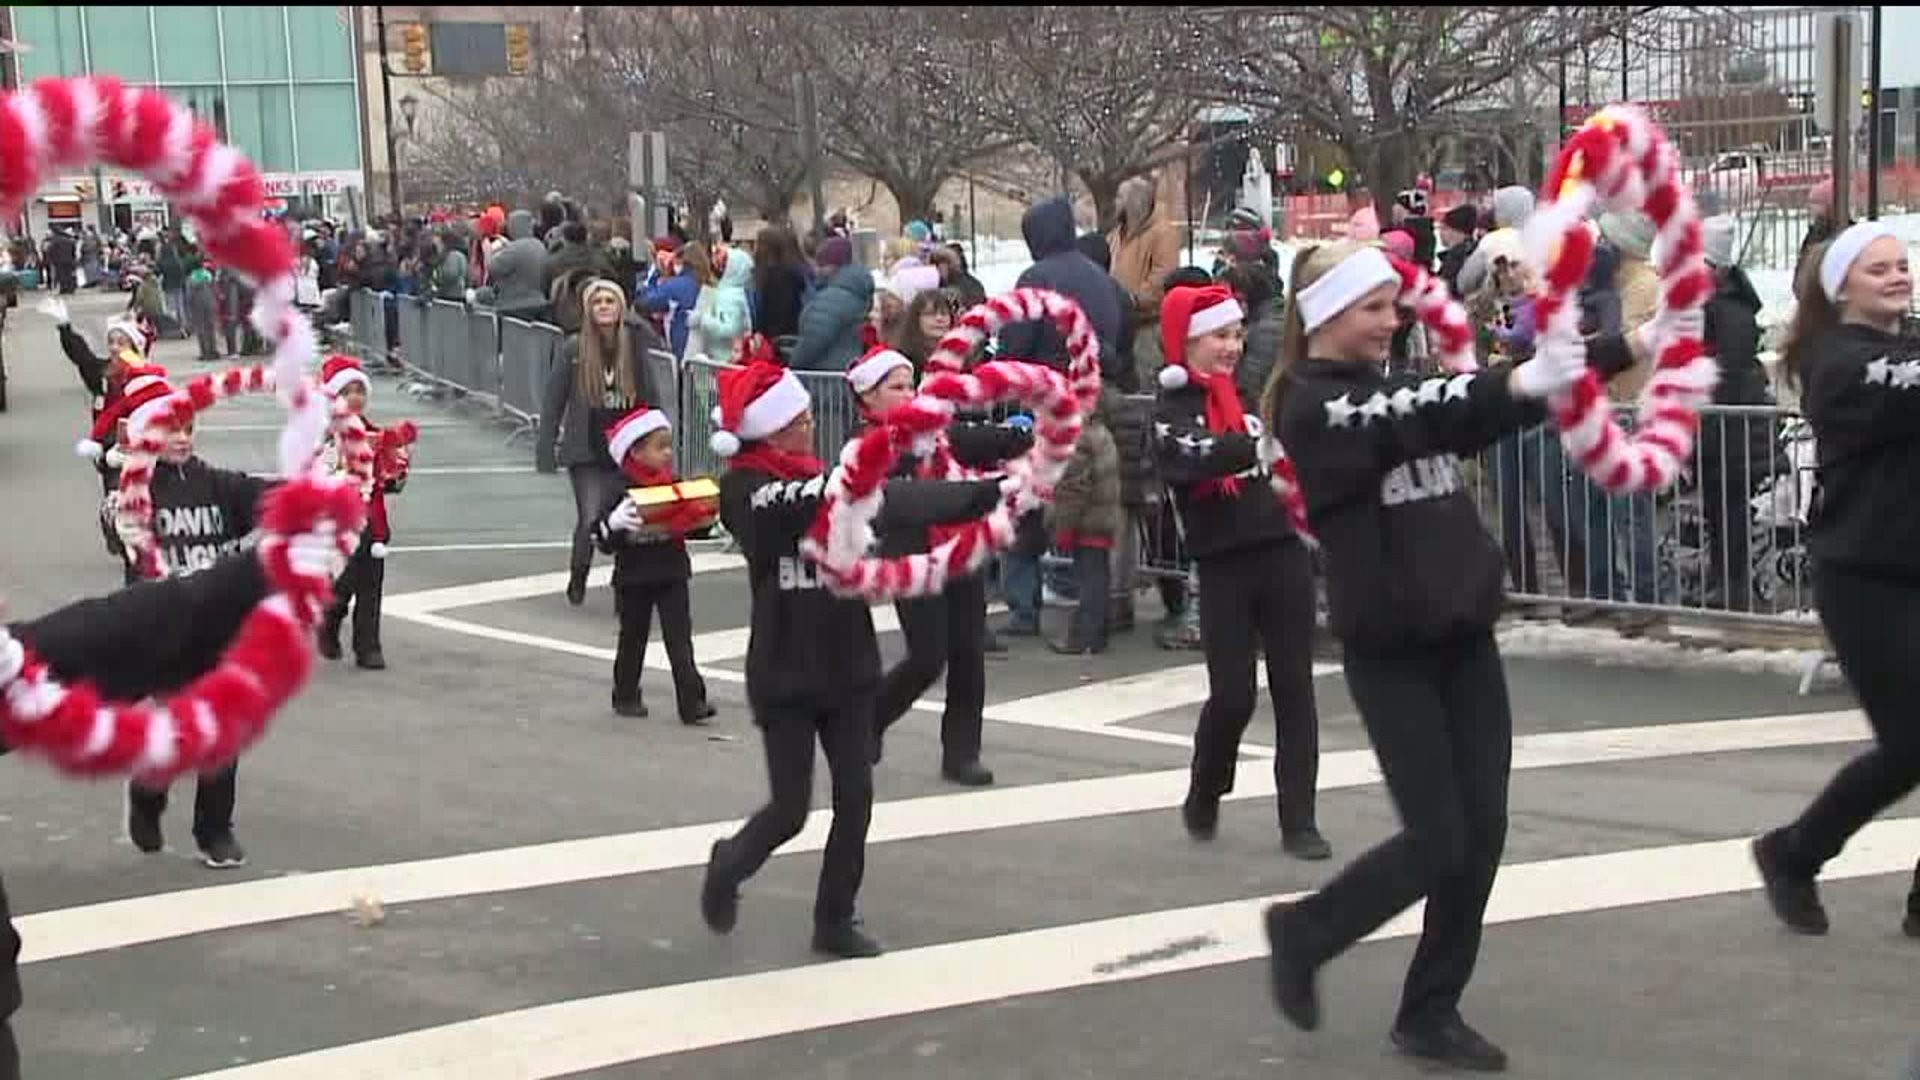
[(1622, 160), (69, 123), (842, 533)]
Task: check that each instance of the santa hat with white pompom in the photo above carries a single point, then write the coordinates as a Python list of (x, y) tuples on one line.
[(144, 389), (1188, 313), (756, 401)]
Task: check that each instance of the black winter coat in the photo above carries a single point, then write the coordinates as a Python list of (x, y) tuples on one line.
[(643, 558), (1860, 389), (1060, 266), (1191, 456)]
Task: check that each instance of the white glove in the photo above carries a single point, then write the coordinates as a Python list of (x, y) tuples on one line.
[(471, 295), (13, 658), (625, 517), (1555, 368), (1254, 427), (56, 309), (316, 554)]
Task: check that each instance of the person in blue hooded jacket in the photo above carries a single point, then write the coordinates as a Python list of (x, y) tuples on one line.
[(1059, 265), (671, 291)]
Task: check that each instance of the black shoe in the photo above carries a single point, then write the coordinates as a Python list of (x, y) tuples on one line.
[(1795, 899), (719, 901), (1290, 972), (328, 644), (143, 828), (632, 710), (701, 713), (371, 660), (1201, 816), (221, 852), (968, 774), (577, 590), (846, 941), (1306, 844), (1452, 1044)]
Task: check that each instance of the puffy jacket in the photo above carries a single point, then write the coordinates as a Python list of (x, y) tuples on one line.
[(830, 324), (729, 314), (1086, 502), (518, 272)]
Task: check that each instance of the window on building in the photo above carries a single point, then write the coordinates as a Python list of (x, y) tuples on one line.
[(208, 103), (469, 48), (188, 41), (120, 43), (54, 34), (329, 137), (256, 43), (324, 43), (260, 123)]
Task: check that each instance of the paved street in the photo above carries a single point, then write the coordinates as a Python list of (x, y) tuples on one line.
[(538, 858)]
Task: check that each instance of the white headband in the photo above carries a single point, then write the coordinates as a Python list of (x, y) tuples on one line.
[(633, 431), (1357, 275), (1844, 250), (873, 371)]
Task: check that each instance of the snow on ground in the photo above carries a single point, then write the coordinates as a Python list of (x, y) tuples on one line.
[(1606, 648)]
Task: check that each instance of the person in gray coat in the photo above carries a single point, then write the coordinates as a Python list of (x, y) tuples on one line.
[(517, 274), (601, 376), (830, 323)]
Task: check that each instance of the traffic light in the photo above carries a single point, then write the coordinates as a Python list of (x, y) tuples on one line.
[(519, 49), (413, 47)]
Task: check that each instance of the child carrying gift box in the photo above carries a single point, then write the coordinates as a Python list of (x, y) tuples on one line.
[(645, 530)]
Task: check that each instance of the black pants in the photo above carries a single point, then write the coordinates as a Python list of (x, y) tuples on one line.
[(213, 798), (1440, 725), (637, 604), (1261, 598), (948, 632), (9, 990), (1092, 575), (589, 488), (1872, 623), (844, 733), (1726, 483), (359, 587)]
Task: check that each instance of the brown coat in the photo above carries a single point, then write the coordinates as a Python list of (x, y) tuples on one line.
[(1639, 289), (1145, 248), (1087, 500)]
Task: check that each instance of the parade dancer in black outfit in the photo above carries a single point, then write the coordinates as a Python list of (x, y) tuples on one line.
[(947, 631), (1415, 586), (1860, 389), (813, 665), (1256, 576)]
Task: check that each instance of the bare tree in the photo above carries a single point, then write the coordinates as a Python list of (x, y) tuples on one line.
[(1095, 88), (1382, 81)]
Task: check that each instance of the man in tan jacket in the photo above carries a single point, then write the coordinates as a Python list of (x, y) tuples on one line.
[(1146, 248), (1639, 287)]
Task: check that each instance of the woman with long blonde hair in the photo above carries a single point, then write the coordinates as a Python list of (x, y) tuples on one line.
[(602, 375)]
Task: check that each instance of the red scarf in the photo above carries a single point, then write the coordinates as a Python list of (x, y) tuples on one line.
[(643, 476), (778, 464), (1225, 416)]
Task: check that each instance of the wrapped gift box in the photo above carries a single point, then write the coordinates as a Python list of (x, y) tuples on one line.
[(693, 504)]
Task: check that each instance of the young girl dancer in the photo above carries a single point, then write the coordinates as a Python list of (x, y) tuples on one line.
[(1860, 389), (650, 570), (812, 662), (949, 630), (362, 585), (1256, 577), (1414, 583)]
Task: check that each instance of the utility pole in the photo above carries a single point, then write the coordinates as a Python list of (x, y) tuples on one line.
[(386, 112), (809, 123), (1873, 117)]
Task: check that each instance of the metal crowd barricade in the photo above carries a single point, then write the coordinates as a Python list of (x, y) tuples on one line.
[(835, 415), (367, 320), (528, 353)]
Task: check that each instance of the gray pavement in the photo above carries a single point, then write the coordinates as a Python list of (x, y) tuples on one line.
[(371, 783)]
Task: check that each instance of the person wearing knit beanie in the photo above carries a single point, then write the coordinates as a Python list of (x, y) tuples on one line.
[(834, 252), (1256, 576), (362, 584), (813, 664), (1415, 585), (651, 570)]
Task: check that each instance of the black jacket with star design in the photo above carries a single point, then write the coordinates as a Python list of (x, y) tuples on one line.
[(810, 649), (1190, 456), (1861, 392), (1407, 559)]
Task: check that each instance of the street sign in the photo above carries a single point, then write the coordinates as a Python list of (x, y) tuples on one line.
[(1837, 73), (647, 160)]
